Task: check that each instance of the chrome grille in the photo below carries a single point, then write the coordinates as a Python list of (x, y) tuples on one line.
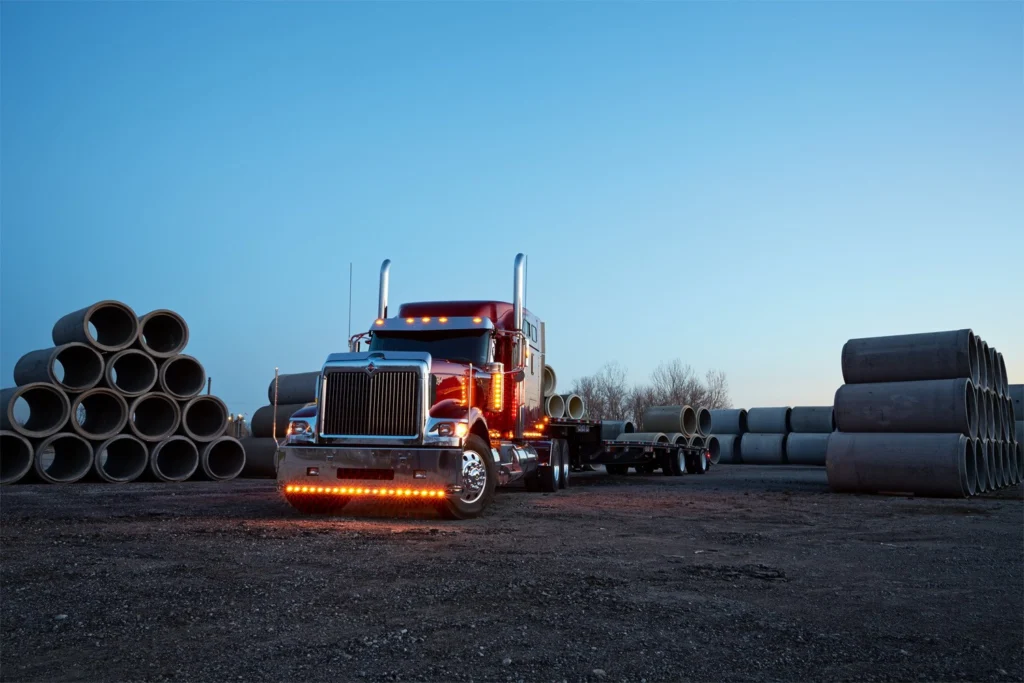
[(386, 403)]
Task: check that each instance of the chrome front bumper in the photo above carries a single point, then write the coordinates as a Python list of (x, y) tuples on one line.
[(412, 468)]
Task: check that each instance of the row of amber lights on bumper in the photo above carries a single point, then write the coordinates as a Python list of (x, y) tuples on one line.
[(354, 491)]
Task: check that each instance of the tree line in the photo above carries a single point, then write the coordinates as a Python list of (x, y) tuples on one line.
[(609, 396)]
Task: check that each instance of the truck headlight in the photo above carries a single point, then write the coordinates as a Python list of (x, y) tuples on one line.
[(445, 429)]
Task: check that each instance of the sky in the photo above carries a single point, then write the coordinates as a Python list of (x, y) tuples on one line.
[(742, 186)]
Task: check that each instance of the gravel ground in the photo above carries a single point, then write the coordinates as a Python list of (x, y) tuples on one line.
[(743, 574)]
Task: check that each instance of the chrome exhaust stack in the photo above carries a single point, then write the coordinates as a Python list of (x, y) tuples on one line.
[(382, 298), (519, 295)]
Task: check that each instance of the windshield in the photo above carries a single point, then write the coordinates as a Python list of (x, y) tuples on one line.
[(469, 346)]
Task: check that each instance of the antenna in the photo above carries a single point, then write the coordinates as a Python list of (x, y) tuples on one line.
[(349, 300)]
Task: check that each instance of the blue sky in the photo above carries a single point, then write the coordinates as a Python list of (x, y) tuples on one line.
[(743, 186)]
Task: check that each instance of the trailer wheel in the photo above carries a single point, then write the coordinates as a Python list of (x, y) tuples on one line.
[(479, 479), (551, 474), (676, 463), (697, 464), (616, 470)]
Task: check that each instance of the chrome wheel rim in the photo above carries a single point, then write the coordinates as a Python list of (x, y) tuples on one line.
[(680, 460), (474, 476)]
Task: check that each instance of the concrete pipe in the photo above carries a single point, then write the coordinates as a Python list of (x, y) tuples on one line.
[(162, 333), (222, 459), (612, 428), (1016, 394), (729, 448), (154, 417), (74, 367), (204, 418), (971, 467), (99, 414), (174, 459), (703, 421), (986, 369), (671, 419), (981, 402), (1011, 463), (995, 376), (763, 449), (575, 408), (714, 447), (47, 406), (120, 459), (921, 464), (1000, 461), (728, 421), (813, 420), (1004, 449), (981, 465), (1004, 378), (132, 372), (550, 380), (911, 357), (646, 437), (554, 406), (806, 449), (262, 424), (260, 458), (993, 418), (108, 326), (695, 441), (677, 438), (297, 388), (925, 406), (63, 458), (182, 377), (997, 416), (992, 457), (1007, 417), (982, 348), (769, 420), (15, 456)]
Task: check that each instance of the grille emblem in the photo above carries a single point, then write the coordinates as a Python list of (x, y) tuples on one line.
[(371, 368)]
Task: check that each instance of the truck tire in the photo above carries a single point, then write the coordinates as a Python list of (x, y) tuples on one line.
[(564, 482), (616, 470), (696, 464), (478, 467), (316, 504), (676, 463), (551, 474)]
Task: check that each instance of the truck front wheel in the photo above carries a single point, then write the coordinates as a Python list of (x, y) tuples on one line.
[(479, 479)]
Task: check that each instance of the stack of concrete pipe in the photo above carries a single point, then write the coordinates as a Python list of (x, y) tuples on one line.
[(114, 400), (773, 436), (682, 425), (571, 406), (925, 414), (269, 425)]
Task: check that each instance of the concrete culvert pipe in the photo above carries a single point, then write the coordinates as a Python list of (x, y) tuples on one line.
[(154, 417), (221, 459), (982, 381), (998, 465), (204, 418), (992, 467), (575, 408), (806, 449), (714, 447), (74, 367), (971, 466), (671, 419), (1003, 376), (910, 357), (550, 380), (173, 459), (677, 438), (121, 459), (769, 420), (612, 428), (981, 465), (703, 421), (763, 449), (132, 372), (99, 414), (1007, 418), (262, 423), (813, 420), (1011, 463), (109, 326), (942, 405), (182, 377), (554, 406), (981, 404), (921, 464), (645, 437), (296, 388), (260, 458), (993, 424), (729, 421), (15, 456), (996, 377), (162, 333), (695, 441), (44, 407), (986, 371), (63, 458), (729, 448)]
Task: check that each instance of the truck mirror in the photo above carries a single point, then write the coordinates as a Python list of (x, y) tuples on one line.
[(519, 375)]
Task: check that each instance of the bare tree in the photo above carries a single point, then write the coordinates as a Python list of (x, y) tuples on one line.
[(604, 392), (717, 390)]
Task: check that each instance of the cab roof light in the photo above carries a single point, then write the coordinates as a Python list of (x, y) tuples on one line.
[(442, 319), (478, 320), (410, 320), (378, 322), (425, 319)]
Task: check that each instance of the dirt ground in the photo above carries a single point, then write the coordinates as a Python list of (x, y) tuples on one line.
[(746, 573)]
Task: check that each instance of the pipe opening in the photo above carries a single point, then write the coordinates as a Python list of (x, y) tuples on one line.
[(77, 367), (163, 333), (122, 459), (971, 466), (175, 459), (224, 459), (971, 400), (743, 421), (550, 380), (981, 466), (697, 441), (555, 406), (183, 376), (132, 372), (714, 448), (689, 421), (112, 325), (64, 458), (15, 457), (154, 416), (574, 407), (99, 413), (205, 417), (39, 409), (628, 427), (704, 421)]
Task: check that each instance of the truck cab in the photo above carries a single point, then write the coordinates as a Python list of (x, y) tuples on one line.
[(439, 403)]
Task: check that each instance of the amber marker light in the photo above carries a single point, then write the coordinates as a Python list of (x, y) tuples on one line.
[(425, 319), (442, 320), (378, 322), (478, 320), (410, 320)]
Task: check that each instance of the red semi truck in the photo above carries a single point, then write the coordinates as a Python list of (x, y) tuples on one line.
[(442, 404)]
